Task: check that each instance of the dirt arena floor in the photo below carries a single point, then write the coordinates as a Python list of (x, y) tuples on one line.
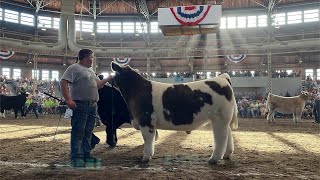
[(284, 150)]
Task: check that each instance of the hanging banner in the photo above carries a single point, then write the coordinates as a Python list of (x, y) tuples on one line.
[(236, 58), (6, 54), (122, 61), (190, 15)]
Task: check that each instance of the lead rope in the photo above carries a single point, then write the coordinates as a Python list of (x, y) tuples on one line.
[(55, 133)]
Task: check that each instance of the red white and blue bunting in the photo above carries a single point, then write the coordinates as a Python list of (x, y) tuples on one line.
[(6, 54), (190, 15), (122, 61), (236, 58)]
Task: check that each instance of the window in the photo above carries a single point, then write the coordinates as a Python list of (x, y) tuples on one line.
[(45, 75), (27, 19), (77, 25), (223, 23), (11, 16), (309, 72), (289, 71), (139, 28), (1, 14), (311, 15), (105, 74), (6, 72), (294, 17), (35, 74), (56, 23), (87, 26), (252, 21), (16, 73), (279, 19), (231, 22), (102, 27), (55, 75), (252, 73), (242, 22), (115, 27), (128, 27), (262, 21), (44, 22), (154, 27), (318, 74)]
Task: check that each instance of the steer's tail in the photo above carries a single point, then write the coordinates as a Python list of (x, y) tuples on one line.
[(234, 121)]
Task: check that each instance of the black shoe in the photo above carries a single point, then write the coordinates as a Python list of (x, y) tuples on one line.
[(78, 163)]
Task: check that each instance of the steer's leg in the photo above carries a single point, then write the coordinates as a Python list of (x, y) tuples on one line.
[(298, 116), (111, 136), (3, 114), (294, 116), (270, 115), (230, 145), (220, 131), (15, 110), (148, 135)]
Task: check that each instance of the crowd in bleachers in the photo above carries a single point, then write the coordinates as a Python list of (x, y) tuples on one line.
[(3, 85), (245, 73), (275, 73), (310, 85), (26, 84)]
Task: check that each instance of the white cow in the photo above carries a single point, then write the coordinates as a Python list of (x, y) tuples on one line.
[(182, 107), (287, 105)]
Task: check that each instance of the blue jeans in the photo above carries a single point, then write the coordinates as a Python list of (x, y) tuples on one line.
[(34, 107), (82, 123)]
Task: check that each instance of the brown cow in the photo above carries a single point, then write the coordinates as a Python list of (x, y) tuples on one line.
[(287, 105)]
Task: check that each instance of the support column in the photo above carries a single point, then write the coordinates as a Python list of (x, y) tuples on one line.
[(205, 64), (269, 53), (35, 72), (148, 68)]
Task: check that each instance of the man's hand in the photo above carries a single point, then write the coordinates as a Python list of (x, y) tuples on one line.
[(102, 82), (71, 104)]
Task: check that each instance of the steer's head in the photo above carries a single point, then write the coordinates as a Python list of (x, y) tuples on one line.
[(307, 95), (125, 77), (226, 76)]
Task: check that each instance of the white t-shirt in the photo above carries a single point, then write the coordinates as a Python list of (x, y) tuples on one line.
[(83, 82)]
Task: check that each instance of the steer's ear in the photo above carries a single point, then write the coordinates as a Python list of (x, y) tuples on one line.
[(115, 67)]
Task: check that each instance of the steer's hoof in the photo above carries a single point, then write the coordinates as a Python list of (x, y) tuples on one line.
[(227, 156), (146, 159), (212, 161)]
